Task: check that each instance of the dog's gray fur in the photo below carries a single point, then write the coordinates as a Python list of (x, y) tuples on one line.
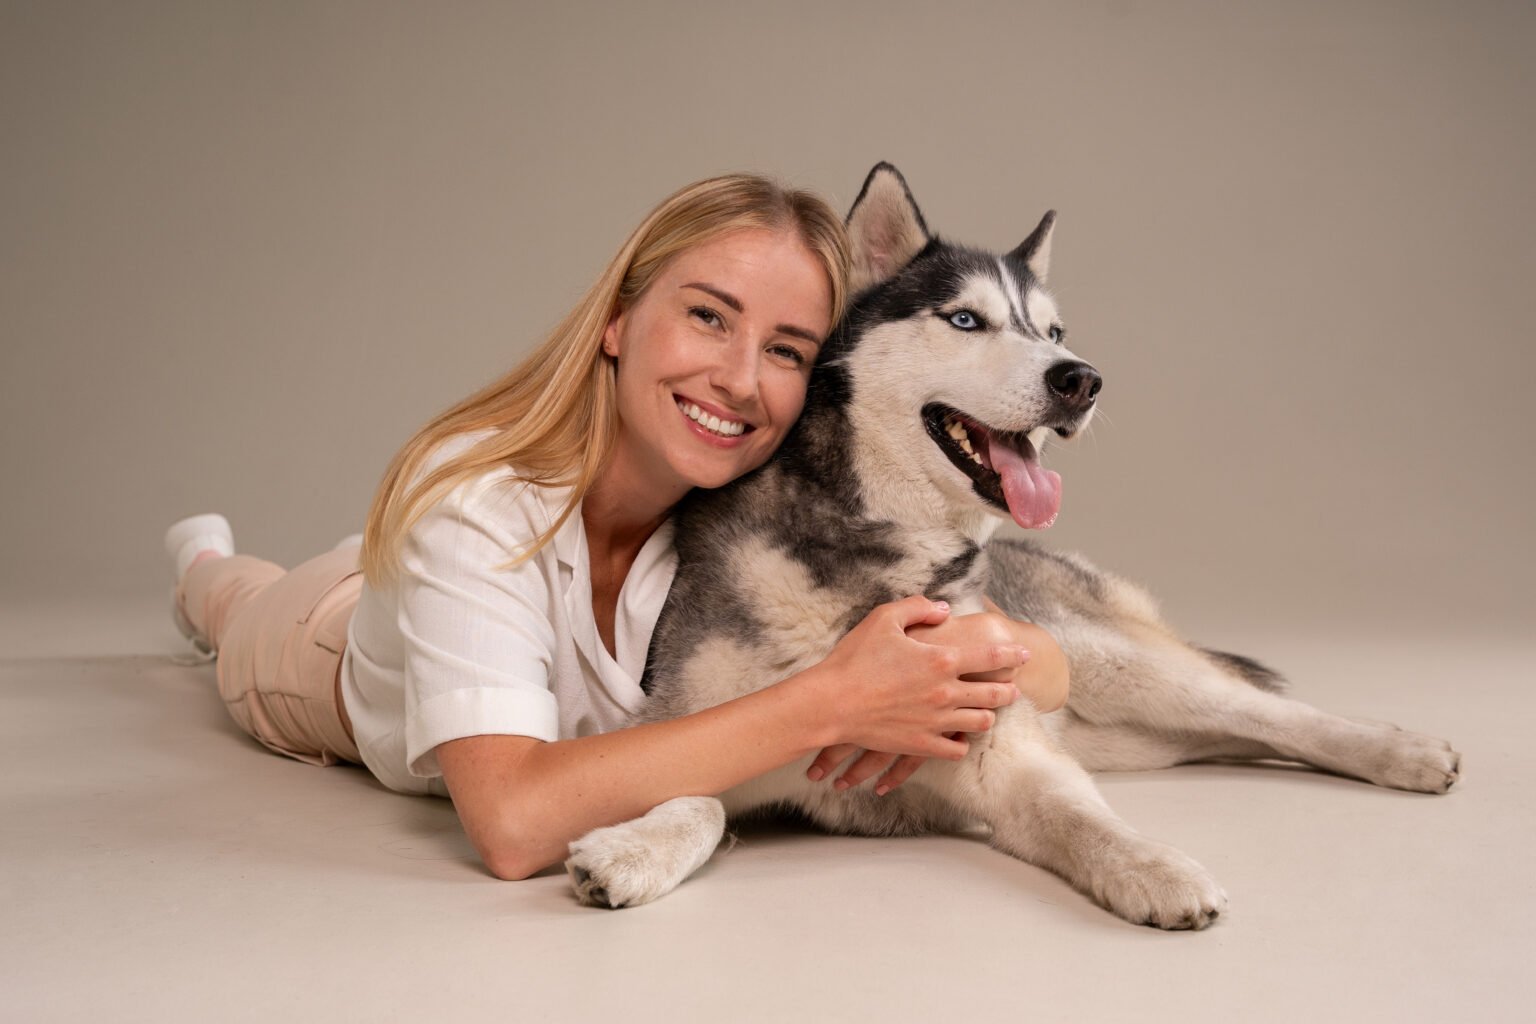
[(860, 506)]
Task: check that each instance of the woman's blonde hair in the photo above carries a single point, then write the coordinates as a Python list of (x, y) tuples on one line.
[(559, 402)]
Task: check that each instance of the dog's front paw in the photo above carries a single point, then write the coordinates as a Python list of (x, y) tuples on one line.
[(1154, 884), (612, 869), (638, 861)]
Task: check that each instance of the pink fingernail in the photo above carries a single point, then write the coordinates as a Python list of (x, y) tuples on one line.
[(882, 790), (817, 773), (841, 784)]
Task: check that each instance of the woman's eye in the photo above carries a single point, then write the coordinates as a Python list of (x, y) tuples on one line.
[(706, 314), (1058, 332), (788, 352), (965, 320)]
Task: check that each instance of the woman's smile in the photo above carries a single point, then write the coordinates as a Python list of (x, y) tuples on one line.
[(713, 424)]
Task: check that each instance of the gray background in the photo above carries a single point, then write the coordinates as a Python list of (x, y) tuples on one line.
[(246, 249), (249, 248)]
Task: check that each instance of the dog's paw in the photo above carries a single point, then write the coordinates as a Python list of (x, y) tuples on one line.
[(612, 867), (1154, 884), (1427, 765), (1409, 760), (638, 861)]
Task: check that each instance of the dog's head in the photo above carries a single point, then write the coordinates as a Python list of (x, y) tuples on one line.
[(955, 360)]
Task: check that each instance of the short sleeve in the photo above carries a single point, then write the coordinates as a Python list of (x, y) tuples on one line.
[(479, 640)]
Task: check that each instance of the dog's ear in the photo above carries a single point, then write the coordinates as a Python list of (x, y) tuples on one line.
[(1035, 251), (885, 227)]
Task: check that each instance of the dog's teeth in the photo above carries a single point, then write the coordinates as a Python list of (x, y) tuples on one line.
[(957, 433), (962, 437), (977, 459)]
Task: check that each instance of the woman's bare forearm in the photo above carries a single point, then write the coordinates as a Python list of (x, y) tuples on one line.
[(524, 801)]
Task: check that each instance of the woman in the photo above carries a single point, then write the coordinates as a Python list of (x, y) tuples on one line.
[(489, 644)]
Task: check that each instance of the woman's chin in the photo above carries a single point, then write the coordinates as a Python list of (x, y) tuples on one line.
[(710, 476), (710, 481)]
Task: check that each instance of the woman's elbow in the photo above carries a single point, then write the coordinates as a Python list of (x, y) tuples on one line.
[(503, 849), (497, 799), (511, 866), (513, 860)]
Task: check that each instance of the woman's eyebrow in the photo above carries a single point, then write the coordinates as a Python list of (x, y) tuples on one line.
[(735, 303), (725, 297)]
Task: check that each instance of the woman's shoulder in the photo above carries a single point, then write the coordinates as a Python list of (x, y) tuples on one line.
[(453, 446), (498, 491)]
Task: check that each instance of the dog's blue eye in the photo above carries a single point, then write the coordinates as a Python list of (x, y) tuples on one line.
[(965, 320), (1057, 333)]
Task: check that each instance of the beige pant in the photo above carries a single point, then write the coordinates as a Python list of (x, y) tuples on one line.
[(280, 636)]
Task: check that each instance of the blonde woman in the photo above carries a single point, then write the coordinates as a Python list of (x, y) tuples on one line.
[(486, 641)]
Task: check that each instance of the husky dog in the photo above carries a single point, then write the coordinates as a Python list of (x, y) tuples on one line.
[(922, 427)]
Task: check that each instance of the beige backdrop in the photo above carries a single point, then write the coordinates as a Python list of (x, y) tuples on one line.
[(248, 248)]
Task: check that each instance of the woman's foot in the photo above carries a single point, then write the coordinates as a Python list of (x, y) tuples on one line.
[(189, 541), (187, 538)]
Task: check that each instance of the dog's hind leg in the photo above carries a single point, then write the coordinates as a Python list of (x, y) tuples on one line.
[(1044, 808), (637, 861), (1141, 698), (1124, 747)]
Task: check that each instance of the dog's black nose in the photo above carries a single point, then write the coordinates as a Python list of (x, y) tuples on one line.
[(1076, 384)]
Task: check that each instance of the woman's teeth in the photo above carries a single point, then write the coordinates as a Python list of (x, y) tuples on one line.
[(714, 424)]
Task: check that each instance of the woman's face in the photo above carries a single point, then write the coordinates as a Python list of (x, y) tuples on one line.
[(713, 361)]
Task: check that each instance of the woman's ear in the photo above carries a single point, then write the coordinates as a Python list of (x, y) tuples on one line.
[(611, 334)]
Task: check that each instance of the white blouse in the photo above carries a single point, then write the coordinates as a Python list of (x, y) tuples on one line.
[(460, 648)]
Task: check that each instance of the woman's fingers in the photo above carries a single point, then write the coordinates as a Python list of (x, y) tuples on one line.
[(972, 720), (952, 747), (829, 759), (917, 610), (977, 695), (899, 772), (867, 767), (988, 657)]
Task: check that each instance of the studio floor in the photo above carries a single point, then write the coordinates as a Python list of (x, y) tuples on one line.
[(159, 866)]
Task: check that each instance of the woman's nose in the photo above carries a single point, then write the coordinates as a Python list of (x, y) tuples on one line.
[(735, 373)]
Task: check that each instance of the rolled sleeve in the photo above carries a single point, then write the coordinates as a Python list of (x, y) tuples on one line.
[(476, 712), (479, 641)]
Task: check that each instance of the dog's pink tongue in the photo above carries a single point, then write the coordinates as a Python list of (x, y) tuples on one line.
[(1033, 492)]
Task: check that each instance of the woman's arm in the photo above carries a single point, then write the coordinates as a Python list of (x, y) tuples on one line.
[(523, 801)]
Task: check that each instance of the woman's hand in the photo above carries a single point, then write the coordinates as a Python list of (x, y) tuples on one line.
[(890, 692), (1043, 678), (892, 768)]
